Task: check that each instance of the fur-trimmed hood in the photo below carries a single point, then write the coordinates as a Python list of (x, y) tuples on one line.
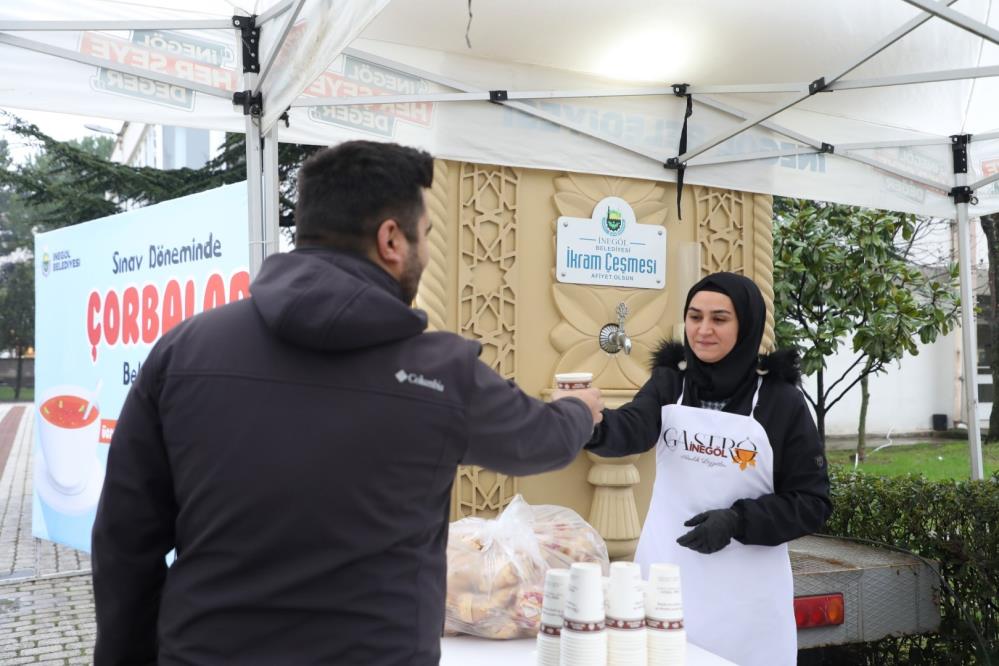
[(782, 363)]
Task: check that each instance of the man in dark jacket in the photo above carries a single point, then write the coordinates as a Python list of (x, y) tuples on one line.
[(297, 449)]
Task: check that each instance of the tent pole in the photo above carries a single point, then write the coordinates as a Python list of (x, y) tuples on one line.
[(271, 214), (255, 203), (968, 332), (956, 18)]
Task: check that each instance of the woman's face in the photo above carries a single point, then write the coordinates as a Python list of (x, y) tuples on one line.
[(711, 326)]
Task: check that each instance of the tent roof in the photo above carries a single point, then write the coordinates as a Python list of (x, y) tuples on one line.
[(349, 48)]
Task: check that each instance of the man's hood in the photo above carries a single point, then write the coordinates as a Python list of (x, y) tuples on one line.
[(332, 301)]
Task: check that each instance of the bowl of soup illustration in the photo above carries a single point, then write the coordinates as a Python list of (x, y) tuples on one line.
[(744, 457), (68, 431)]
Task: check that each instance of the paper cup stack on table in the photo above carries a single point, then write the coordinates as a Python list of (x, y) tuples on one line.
[(667, 640), (552, 609), (626, 634), (584, 637), (568, 381)]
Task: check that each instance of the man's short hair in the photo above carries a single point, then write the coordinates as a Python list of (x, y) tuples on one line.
[(347, 191)]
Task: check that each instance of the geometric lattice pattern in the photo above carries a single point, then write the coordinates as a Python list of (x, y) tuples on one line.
[(487, 295), (480, 492), (487, 308), (721, 230)]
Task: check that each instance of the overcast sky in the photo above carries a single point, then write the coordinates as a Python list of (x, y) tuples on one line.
[(59, 126)]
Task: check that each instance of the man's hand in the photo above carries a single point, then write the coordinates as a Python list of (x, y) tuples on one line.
[(712, 530), (590, 396)]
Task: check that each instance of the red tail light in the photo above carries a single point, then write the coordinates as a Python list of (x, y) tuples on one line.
[(821, 610)]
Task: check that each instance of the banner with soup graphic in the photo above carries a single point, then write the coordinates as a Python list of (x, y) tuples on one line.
[(105, 291)]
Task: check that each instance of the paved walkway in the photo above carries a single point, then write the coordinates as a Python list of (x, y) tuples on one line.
[(46, 600)]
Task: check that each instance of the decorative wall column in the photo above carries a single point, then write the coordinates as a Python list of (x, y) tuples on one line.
[(487, 306), (583, 311), (433, 294), (728, 222)]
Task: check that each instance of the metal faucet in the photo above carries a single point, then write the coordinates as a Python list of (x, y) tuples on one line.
[(613, 337)]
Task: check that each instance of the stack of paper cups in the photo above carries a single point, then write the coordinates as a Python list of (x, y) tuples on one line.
[(667, 639), (584, 637), (552, 608), (626, 639)]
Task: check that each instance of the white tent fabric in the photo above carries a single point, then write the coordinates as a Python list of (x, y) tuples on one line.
[(853, 101), (414, 46)]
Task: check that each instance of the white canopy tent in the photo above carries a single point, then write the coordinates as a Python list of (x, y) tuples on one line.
[(880, 103)]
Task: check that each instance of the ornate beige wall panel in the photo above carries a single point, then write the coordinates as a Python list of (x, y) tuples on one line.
[(487, 294), (584, 310), (763, 260), (434, 288), (735, 231), (721, 229)]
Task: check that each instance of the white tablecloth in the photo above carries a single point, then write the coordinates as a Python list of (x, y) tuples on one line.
[(470, 651)]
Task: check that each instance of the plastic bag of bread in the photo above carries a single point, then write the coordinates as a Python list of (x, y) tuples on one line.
[(496, 568)]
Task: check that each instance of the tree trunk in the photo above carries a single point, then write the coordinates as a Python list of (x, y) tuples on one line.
[(990, 225), (820, 407), (865, 399), (17, 382)]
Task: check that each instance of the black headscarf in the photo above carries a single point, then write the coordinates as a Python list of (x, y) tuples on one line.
[(735, 374)]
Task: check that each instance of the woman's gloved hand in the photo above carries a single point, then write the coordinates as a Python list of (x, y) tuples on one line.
[(712, 530)]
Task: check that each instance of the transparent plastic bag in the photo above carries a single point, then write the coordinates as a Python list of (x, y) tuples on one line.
[(496, 568)]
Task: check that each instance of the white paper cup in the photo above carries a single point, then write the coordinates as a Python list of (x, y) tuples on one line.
[(583, 649), (553, 603), (573, 380), (68, 441), (667, 648), (627, 648), (626, 592), (549, 650), (585, 601), (663, 598)]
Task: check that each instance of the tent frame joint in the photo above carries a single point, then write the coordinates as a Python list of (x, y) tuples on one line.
[(680, 89), (253, 105), (673, 163), (250, 39), (817, 86), (959, 148), (827, 148), (963, 194), (498, 96)]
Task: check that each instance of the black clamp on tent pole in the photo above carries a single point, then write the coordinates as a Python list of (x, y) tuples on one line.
[(817, 86), (959, 149), (827, 148), (498, 96), (250, 39), (680, 90), (963, 194), (253, 105)]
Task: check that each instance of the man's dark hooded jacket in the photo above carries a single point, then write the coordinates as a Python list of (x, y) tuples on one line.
[(298, 449)]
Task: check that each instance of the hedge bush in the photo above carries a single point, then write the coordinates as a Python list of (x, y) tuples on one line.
[(955, 523)]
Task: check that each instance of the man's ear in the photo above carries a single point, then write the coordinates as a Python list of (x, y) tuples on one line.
[(391, 245)]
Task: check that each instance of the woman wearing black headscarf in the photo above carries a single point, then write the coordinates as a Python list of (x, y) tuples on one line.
[(740, 471)]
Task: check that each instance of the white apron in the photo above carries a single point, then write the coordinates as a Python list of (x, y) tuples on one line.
[(739, 601)]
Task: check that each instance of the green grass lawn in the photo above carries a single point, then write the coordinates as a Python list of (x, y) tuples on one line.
[(934, 460), (7, 394)]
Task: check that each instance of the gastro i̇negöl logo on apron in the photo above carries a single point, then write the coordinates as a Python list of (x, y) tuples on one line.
[(741, 453)]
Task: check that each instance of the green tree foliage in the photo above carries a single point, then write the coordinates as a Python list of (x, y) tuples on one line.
[(990, 225), (842, 273), (17, 312)]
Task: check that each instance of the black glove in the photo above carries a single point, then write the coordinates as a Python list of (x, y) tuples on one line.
[(713, 531)]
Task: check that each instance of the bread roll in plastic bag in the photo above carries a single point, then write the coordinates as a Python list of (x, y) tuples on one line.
[(496, 568)]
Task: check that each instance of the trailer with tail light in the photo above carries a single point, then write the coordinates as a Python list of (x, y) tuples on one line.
[(848, 592)]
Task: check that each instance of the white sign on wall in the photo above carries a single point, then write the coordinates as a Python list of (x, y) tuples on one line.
[(611, 248)]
